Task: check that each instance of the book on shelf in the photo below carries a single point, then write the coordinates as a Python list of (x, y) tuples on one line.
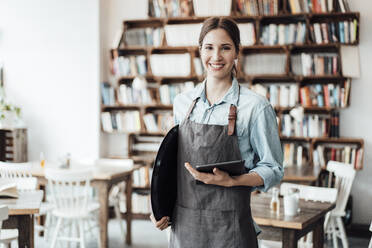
[(335, 124), (107, 94), (282, 34), (128, 121), (295, 154), (150, 123), (171, 64), (127, 94), (129, 65), (333, 32), (312, 125), (141, 177), (168, 92), (343, 6), (345, 153), (8, 189), (141, 203), (182, 34), (247, 34), (159, 121), (144, 36), (308, 64), (264, 63), (170, 8), (258, 7), (212, 7), (278, 94), (310, 6)]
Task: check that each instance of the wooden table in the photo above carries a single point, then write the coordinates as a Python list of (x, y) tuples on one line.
[(104, 177), (290, 229), (305, 174), (21, 215)]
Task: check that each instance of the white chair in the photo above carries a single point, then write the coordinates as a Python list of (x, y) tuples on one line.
[(6, 235), (307, 193), (370, 242), (20, 173), (344, 176), (71, 193)]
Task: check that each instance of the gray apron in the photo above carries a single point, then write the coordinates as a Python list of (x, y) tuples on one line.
[(210, 216)]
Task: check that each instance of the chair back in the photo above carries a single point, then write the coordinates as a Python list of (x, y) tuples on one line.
[(313, 193), (18, 173), (70, 188), (3, 214), (344, 177)]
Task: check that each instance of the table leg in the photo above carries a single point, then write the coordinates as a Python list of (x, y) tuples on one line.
[(289, 239), (103, 190), (128, 192), (318, 236)]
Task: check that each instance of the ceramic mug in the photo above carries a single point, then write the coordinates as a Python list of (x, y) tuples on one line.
[(290, 202)]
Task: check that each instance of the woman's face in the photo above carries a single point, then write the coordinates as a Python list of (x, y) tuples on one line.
[(218, 54)]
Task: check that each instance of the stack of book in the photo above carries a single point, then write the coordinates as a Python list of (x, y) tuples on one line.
[(247, 34), (343, 32), (312, 125), (325, 95), (129, 65), (146, 143), (281, 34), (258, 7), (144, 37), (307, 64)]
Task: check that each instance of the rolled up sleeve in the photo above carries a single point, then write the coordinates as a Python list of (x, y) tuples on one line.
[(265, 142)]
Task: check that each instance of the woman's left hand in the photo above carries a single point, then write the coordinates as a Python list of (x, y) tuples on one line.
[(218, 177)]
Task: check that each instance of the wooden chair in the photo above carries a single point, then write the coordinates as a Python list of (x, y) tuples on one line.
[(308, 193), (344, 176), (71, 193), (6, 235)]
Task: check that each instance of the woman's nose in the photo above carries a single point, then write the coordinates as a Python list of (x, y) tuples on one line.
[(216, 54)]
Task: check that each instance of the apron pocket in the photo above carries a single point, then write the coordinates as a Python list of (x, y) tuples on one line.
[(205, 228)]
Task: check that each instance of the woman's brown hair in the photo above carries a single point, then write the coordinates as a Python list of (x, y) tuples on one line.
[(224, 23)]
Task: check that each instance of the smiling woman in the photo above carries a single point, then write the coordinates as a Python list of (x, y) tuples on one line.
[(219, 121)]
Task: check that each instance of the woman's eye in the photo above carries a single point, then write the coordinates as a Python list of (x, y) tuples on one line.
[(226, 48), (209, 48)]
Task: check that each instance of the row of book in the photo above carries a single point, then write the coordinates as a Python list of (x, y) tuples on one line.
[(308, 64), (311, 125), (144, 36), (159, 121), (325, 95), (142, 176), (169, 91), (129, 65), (129, 95), (107, 94), (282, 34), (170, 8), (343, 32), (258, 7), (335, 125), (318, 6), (128, 121), (170, 64), (141, 203), (265, 63), (343, 153), (146, 144), (295, 154), (278, 94)]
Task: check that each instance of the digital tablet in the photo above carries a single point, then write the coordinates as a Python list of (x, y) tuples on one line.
[(234, 168)]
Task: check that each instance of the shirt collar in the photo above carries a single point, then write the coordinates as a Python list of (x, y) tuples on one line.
[(231, 95)]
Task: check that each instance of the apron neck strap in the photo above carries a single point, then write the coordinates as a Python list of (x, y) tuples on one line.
[(232, 116), (191, 108)]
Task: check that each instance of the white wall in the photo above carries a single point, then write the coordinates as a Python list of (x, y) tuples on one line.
[(356, 121), (50, 50)]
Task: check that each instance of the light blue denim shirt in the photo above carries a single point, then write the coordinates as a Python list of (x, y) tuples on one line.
[(256, 127)]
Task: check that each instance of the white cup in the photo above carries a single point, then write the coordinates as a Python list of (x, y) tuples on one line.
[(290, 202)]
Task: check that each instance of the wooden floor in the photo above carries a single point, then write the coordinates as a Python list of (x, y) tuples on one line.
[(146, 236)]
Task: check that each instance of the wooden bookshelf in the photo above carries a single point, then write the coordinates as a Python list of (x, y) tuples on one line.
[(259, 21)]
